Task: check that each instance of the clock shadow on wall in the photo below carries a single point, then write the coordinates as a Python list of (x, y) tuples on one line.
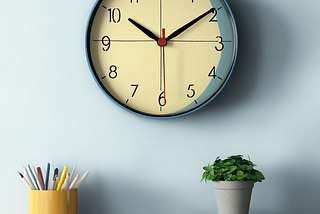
[(261, 43)]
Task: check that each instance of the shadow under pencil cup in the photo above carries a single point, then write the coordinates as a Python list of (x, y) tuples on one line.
[(53, 202)]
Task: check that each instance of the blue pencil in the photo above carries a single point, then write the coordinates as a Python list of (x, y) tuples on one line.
[(34, 178), (47, 178)]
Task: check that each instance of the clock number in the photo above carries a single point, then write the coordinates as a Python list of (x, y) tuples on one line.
[(106, 42), (135, 90), (220, 42), (114, 15), (212, 73), (132, 1), (193, 92), (113, 72), (214, 16), (162, 97)]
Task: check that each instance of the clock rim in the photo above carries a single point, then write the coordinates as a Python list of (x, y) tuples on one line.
[(173, 114)]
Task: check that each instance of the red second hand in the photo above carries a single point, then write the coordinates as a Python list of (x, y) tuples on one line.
[(162, 42)]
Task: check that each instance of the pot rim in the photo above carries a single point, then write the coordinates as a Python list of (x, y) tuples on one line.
[(229, 185)]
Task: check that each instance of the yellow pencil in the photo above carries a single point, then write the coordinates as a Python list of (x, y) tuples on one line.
[(63, 177)]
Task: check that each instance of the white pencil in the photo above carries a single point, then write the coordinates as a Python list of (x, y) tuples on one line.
[(71, 176), (24, 180), (74, 182), (83, 177), (27, 177)]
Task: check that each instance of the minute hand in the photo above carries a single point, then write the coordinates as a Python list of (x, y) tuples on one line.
[(186, 26)]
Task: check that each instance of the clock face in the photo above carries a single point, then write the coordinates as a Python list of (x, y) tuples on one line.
[(162, 58)]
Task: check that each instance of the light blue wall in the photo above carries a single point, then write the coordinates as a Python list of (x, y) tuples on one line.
[(52, 110)]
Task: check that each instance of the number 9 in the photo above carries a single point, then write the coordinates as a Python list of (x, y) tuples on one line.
[(106, 42)]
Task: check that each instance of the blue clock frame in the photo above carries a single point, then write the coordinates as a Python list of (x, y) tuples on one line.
[(227, 26)]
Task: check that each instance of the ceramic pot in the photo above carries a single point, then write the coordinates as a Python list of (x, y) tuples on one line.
[(233, 197)]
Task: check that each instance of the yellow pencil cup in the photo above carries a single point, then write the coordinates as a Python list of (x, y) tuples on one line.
[(53, 201)]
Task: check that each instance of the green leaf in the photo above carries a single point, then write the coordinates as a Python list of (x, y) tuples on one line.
[(239, 173), (208, 168), (251, 177), (260, 176), (221, 170), (228, 161), (235, 157), (210, 177), (245, 167), (232, 168)]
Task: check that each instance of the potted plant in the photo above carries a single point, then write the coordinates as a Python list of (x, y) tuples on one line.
[(233, 179)]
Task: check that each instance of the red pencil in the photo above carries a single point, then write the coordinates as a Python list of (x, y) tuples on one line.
[(40, 178)]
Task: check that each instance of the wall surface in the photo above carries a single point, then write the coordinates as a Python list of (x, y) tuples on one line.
[(51, 109)]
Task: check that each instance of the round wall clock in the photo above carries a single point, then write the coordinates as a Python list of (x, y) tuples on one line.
[(161, 58)]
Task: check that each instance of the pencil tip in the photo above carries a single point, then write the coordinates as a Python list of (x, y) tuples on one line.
[(20, 174)]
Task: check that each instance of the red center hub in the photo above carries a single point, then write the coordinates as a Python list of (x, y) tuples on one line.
[(162, 42)]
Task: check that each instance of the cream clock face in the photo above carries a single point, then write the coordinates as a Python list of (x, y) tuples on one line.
[(161, 58)]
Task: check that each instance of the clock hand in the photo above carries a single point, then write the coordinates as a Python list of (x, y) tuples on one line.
[(186, 26), (144, 30), (162, 42)]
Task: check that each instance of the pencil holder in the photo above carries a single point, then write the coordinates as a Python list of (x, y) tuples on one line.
[(53, 201)]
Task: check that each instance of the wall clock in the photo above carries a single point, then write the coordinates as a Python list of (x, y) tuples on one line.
[(161, 58)]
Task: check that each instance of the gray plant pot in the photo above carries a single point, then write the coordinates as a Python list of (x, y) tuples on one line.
[(233, 197)]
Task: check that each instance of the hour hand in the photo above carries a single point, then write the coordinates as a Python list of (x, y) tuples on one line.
[(144, 30)]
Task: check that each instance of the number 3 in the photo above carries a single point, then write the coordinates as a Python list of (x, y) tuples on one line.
[(220, 42)]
